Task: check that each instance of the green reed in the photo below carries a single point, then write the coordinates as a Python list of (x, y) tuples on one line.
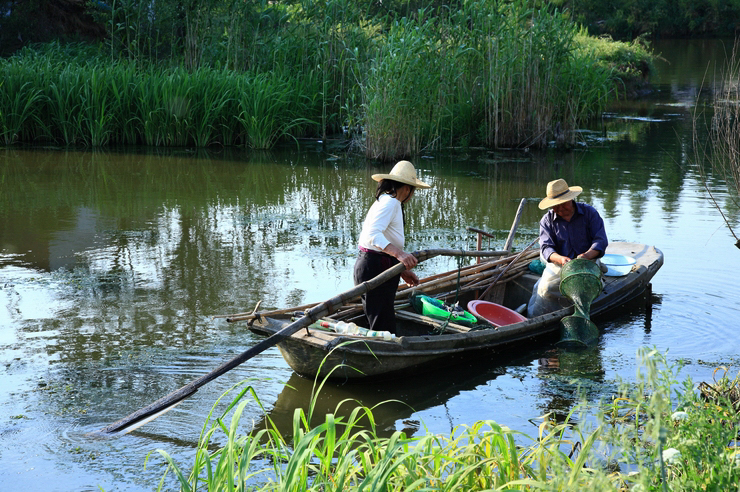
[(656, 434), (270, 106), (718, 157), (20, 99), (489, 72), (97, 104)]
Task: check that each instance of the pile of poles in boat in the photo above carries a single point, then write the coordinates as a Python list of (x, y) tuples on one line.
[(480, 277)]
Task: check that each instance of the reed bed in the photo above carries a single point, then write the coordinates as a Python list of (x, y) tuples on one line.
[(656, 434), (396, 82), (97, 105)]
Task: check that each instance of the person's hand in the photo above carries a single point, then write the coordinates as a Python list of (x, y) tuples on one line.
[(407, 259), (559, 259), (589, 255), (410, 278)]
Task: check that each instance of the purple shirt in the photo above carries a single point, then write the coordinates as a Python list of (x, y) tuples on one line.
[(584, 231)]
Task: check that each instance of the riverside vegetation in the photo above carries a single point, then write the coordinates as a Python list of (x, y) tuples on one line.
[(395, 82), (718, 158), (657, 434)]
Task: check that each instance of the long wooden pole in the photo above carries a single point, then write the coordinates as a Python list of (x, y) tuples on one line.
[(159, 407), (507, 267), (403, 288), (515, 224)]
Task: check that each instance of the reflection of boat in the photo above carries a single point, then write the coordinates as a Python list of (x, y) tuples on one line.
[(391, 401), (310, 352)]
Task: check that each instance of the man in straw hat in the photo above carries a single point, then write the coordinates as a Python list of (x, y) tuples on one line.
[(568, 230), (382, 241)]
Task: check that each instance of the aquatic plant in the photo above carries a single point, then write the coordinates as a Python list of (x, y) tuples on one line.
[(718, 157), (635, 441), (269, 107), (19, 102), (492, 73)]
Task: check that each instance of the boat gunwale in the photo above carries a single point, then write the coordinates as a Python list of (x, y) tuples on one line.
[(418, 350)]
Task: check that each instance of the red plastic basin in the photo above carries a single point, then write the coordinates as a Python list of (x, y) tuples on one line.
[(495, 314)]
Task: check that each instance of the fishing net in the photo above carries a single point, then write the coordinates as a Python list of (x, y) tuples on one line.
[(580, 281)]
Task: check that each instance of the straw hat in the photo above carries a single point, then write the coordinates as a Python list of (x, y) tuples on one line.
[(403, 172), (559, 192)]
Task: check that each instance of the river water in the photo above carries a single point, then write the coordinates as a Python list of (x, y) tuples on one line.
[(113, 264)]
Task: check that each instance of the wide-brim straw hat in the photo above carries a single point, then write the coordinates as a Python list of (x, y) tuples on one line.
[(559, 192), (403, 172)]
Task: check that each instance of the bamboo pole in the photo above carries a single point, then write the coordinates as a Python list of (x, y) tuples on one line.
[(506, 278), (505, 269), (515, 224), (443, 277), (444, 252), (166, 403)]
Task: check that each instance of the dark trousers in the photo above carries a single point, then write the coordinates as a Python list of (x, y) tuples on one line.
[(378, 303)]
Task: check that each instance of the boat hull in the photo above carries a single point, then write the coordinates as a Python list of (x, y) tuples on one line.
[(313, 352)]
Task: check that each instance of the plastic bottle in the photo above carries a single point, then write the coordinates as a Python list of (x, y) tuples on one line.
[(385, 335), (352, 329), (346, 328)]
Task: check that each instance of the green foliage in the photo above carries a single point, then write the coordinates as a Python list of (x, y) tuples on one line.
[(486, 72), (100, 103), (638, 435), (270, 106), (628, 19)]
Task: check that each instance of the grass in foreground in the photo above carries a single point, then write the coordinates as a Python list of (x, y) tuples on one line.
[(658, 434)]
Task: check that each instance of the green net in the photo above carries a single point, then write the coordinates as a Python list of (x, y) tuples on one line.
[(580, 281)]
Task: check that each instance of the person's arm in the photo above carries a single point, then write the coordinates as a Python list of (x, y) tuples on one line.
[(559, 259), (410, 277), (406, 258), (548, 241), (591, 254), (599, 241)]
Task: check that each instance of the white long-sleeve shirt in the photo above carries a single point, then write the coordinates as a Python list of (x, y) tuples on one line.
[(383, 224)]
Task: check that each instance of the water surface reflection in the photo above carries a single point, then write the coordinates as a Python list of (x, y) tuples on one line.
[(113, 263)]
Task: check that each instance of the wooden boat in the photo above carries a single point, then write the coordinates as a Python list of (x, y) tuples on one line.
[(423, 341)]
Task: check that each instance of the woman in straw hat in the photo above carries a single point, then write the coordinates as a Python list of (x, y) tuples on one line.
[(382, 241), (568, 230)]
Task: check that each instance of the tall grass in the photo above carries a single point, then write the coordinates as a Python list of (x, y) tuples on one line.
[(402, 96), (487, 72), (96, 104), (269, 107), (497, 74), (656, 434), (720, 153), (20, 98)]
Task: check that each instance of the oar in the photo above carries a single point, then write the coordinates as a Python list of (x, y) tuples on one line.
[(166, 403)]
